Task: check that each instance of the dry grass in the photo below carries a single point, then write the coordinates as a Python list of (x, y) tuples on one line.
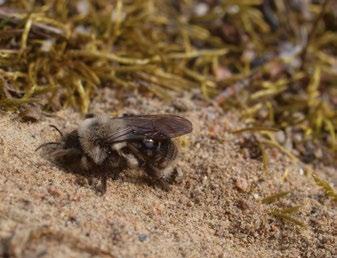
[(273, 60)]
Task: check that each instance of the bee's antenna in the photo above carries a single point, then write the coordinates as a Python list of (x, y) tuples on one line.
[(58, 130), (45, 144), (50, 143)]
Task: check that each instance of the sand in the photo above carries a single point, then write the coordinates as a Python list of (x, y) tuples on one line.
[(215, 211)]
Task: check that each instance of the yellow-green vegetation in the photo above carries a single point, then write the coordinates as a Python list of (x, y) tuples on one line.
[(273, 60), (275, 197), (327, 188), (285, 214)]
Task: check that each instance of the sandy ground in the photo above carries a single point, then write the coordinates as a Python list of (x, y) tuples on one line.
[(216, 211)]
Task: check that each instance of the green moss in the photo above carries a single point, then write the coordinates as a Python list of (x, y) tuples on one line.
[(327, 188), (274, 197), (57, 53)]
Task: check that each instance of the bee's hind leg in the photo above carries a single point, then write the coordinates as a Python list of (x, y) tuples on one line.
[(99, 184), (161, 177)]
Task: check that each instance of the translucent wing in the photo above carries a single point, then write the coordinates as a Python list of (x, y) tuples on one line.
[(156, 127)]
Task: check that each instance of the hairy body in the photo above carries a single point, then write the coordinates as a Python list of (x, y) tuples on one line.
[(102, 144)]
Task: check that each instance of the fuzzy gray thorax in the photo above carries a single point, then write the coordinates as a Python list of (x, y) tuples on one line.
[(93, 134)]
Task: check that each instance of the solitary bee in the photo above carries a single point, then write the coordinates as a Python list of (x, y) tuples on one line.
[(102, 144)]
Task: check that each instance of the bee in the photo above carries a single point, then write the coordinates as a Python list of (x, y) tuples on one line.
[(102, 145)]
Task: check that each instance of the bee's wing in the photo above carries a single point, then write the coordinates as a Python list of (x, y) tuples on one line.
[(156, 127)]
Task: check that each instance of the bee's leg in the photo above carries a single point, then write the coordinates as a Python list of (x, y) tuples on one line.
[(99, 184), (128, 155), (131, 160), (114, 167), (161, 177), (102, 185), (86, 166), (97, 177), (177, 175)]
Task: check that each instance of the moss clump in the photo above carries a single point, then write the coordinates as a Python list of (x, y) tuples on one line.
[(327, 188), (274, 60)]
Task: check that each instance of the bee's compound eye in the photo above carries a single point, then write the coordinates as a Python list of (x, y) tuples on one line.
[(149, 143)]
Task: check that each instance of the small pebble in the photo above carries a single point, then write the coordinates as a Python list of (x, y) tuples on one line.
[(30, 113), (243, 205), (55, 192), (241, 184), (143, 237), (201, 9), (280, 136)]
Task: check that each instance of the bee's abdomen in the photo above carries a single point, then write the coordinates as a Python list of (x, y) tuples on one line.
[(172, 150), (167, 153)]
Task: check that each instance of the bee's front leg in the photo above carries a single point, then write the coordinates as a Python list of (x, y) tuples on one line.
[(97, 175), (101, 184)]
